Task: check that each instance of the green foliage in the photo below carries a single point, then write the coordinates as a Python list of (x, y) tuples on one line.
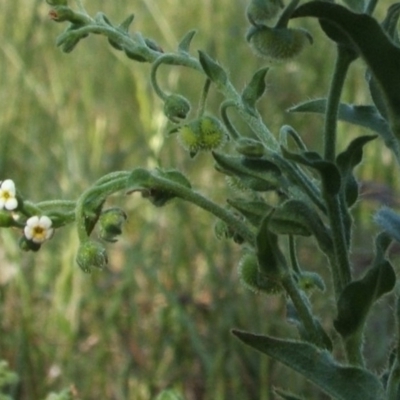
[(288, 190)]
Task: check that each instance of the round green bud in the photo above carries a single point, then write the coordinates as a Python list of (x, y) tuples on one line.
[(253, 279), (250, 148), (91, 254), (110, 223), (260, 11), (7, 220), (176, 107), (309, 281), (28, 245), (278, 44)]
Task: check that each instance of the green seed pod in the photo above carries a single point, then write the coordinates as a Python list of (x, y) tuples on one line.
[(203, 134), (176, 107), (250, 148), (253, 279), (278, 44), (91, 254), (222, 230), (260, 11), (189, 136), (213, 134)]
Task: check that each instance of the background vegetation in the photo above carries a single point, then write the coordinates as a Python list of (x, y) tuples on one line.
[(160, 315)]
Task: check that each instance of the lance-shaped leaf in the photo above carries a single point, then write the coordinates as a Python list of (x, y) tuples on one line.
[(298, 214), (254, 90), (358, 296), (212, 69), (253, 211), (346, 161), (257, 174), (123, 27), (330, 174), (376, 48), (339, 381), (365, 116), (184, 44), (271, 260), (389, 220)]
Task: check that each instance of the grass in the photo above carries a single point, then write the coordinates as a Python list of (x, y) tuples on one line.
[(161, 315)]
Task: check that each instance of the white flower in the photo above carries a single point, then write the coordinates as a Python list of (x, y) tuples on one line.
[(38, 229), (7, 195)]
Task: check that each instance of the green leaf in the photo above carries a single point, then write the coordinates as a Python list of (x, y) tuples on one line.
[(184, 44), (293, 318), (389, 220), (212, 69), (286, 395), (254, 90), (339, 381), (330, 174), (365, 116), (271, 260), (358, 296), (253, 211), (376, 48), (346, 161), (296, 215), (257, 174), (169, 395), (139, 179)]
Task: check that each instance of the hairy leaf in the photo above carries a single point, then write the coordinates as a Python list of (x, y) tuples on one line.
[(339, 381), (376, 48)]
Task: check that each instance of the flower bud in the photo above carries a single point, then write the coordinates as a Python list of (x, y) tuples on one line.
[(278, 44), (253, 279), (28, 245), (176, 107), (260, 11), (250, 148), (91, 254), (110, 223), (309, 281), (6, 220)]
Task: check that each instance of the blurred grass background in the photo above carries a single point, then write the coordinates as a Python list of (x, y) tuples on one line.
[(160, 315)]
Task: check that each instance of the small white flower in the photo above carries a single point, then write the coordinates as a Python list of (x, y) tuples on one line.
[(38, 229), (7, 195)]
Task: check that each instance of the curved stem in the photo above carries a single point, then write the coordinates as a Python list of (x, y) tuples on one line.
[(234, 134), (110, 184), (196, 198), (303, 310)]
